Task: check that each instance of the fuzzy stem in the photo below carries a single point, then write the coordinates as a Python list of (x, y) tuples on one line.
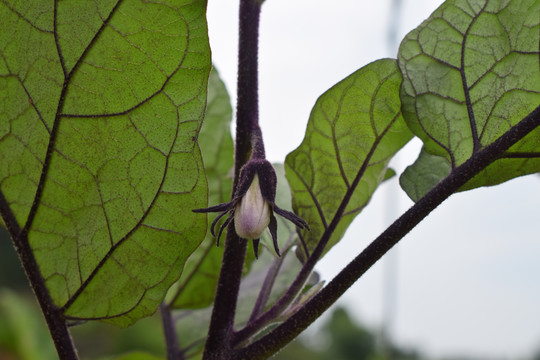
[(248, 132), (248, 143), (294, 325), (218, 344)]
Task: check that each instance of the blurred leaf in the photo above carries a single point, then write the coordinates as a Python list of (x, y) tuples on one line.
[(100, 341), (251, 284), (197, 286), (354, 130), (11, 272), (424, 174), (192, 329), (23, 332), (102, 104), (138, 356), (470, 72)]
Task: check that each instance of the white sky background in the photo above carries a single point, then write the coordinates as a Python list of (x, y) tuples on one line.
[(467, 279)]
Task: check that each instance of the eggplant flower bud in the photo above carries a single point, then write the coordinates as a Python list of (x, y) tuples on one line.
[(253, 205), (252, 213)]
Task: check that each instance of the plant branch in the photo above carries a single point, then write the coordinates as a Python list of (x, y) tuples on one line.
[(269, 281), (294, 325), (248, 140), (171, 337)]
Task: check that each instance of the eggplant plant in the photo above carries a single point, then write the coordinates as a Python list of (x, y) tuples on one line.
[(116, 154)]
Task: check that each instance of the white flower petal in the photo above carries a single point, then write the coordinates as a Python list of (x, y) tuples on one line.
[(252, 214)]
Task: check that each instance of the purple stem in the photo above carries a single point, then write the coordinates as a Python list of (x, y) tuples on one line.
[(248, 142), (248, 132)]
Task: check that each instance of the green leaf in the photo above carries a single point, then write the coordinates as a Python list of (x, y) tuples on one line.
[(390, 173), (353, 131), (197, 286), (102, 104), (424, 174), (471, 71)]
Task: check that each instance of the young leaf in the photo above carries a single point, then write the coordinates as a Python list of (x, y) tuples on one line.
[(353, 131), (102, 103), (197, 285), (470, 73)]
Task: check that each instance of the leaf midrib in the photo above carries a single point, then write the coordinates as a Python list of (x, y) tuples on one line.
[(54, 130)]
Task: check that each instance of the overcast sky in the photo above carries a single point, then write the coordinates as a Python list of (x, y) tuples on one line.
[(466, 280)]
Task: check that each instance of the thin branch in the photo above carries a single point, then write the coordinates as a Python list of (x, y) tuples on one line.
[(171, 337), (266, 288), (269, 281), (294, 325)]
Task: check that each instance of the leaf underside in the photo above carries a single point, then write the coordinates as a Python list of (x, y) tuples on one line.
[(354, 130), (102, 104), (471, 71)]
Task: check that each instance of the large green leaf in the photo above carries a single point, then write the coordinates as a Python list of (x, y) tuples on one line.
[(197, 286), (471, 71), (101, 106), (353, 131)]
